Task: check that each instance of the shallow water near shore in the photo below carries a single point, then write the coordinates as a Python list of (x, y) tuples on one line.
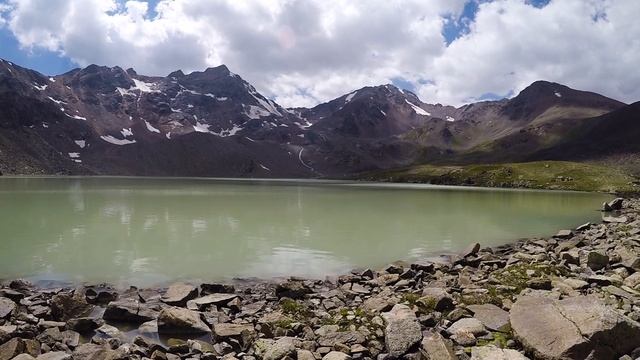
[(149, 231)]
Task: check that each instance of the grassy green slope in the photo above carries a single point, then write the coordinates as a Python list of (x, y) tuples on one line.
[(555, 175)]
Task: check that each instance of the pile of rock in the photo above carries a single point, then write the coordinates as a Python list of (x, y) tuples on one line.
[(573, 296)]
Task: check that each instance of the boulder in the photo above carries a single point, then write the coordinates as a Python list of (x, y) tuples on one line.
[(491, 316), (175, 320), (615, 219), (130, 311), (69, 305), (225, 330), (632, 280), (11, 348), (217, 299), (572, 328), (564, 234), (24, 357), (92, 352), (292, 290), (100, 295), (281, 348), (7, 306), (435, 347), (597, 260), (471, 249), (467, 325), (336, 355), (438, 298), (402, 331), (84, 325), (491, 352), (330, 338), (54, 355), (206, 289), (179, 293), (615, 204)]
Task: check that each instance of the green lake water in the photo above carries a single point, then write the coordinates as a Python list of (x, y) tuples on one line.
[(146, 231)]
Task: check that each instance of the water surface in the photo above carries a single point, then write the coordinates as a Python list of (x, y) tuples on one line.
[(146, 231)]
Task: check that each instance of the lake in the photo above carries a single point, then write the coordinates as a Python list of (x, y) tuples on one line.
[(147, 231)]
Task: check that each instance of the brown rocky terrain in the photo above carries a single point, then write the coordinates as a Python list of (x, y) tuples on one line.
[(575, 295)]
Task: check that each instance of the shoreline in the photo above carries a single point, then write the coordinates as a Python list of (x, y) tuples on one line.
[(482, 304)]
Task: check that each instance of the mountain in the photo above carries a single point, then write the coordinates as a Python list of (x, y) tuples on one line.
[(106, 120), (101, 120)]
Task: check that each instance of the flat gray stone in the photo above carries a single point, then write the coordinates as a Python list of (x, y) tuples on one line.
[(179, 293), (467, 325), (572, 328), (175, 320), (336, 355), (402, 331), (435, 347), (491, 352), (491, 316), (6, 307)]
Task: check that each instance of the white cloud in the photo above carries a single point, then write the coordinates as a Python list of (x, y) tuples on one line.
[(305, 51), (592, 45)]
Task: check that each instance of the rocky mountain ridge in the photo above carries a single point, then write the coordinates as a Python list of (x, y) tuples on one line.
[(102, 120)]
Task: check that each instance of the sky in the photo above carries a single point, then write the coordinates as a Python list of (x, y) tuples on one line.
[(303, 52)]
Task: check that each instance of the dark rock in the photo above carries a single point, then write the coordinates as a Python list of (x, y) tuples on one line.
[(84, 325), (597, 260), (471, 249), (615, 204), (100, 295), (129, 311), (206, 289), (292, 290), (539, 284), (69, 305)]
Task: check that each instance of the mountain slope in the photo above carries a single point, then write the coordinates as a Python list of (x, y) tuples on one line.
[(106, 120)]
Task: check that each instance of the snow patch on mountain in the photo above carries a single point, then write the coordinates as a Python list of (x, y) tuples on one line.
[(449, 118), (417, 109), (76, 117), (151, 128), (126, 132), (264, 167), (557, 94), (115, 141), (350, 97), (200, 127), (40, 87), (256, 112), (56, 101), (80, 143), (144, 86)]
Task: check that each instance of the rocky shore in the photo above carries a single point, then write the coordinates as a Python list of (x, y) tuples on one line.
[(572, 296)]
